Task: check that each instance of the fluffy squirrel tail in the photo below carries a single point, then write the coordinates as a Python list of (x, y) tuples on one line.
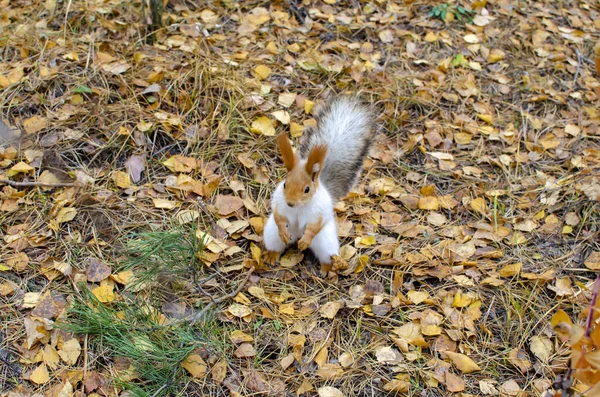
[(345, 126)]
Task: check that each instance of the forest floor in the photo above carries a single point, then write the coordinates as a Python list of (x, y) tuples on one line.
[(474, 222)]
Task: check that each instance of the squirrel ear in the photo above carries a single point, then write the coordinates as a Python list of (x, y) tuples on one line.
[(285, 147), (315, 161)]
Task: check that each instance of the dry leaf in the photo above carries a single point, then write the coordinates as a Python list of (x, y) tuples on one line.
[(195, 365), (219, 372), (40, 375), (330, 309), (245, 350), (541, 347), (462, 362), (263, 125), (70, 351)]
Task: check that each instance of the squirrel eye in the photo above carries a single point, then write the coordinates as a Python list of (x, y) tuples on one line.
[(307, 189), (284, 185)]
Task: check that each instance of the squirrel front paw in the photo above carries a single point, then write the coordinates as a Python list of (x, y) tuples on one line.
[(284, 235), (304, 243)]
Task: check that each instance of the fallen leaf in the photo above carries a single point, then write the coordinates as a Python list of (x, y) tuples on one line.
[(239, 310), (263, 125), (219, 372), (70, 351), (462, 362), (40, 375), (34, 124), (245, 350), (330, 309), (541, 347), (97, 271), (195, 365), (227, 205), (454, 383)]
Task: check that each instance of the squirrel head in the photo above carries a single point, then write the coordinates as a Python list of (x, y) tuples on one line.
[(302, 180)]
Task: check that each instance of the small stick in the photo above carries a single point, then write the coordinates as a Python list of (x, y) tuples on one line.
[(579, 56), (41, 184)]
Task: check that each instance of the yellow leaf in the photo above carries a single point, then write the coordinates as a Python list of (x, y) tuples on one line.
[(70, 351), (368, 240), (461, 300), (496, 55), (238, 337), (239, 310), (262, 71), (219, 372), (66, 214), (104, 293), (3, 268), (40, 375), (34, 124), (486, 117), (121, 179), (287, 308), (291, 259), (263, 125), (19, 168), (51, 357), (287, 99), (541, 347), (296, 129), (330, 309), (560, 317), (462, 362), (471, 38), (511, 270), (429, 203), (308, 105), (123, 277), (593, 261), (479, 205), (195, 365), (417, 297), (164, 203)]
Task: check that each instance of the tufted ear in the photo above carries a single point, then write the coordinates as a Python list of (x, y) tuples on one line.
[(315, 161), (285, 147)]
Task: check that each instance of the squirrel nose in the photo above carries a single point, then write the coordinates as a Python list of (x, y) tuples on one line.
[(290, 204)]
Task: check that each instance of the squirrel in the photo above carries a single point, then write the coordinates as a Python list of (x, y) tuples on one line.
[(327, 166)]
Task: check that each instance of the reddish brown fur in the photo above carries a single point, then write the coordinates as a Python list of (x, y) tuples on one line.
[(316, 156), (285, 147), (299, 178)]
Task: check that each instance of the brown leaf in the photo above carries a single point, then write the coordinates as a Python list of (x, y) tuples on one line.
[(330, 309), (520, 360), (245, 350), (593, 261), (50, 306), (227, 205), (219, 372), (97, 271), (454, 383)]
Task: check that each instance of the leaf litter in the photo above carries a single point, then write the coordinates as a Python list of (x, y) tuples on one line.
[(474, 222)]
